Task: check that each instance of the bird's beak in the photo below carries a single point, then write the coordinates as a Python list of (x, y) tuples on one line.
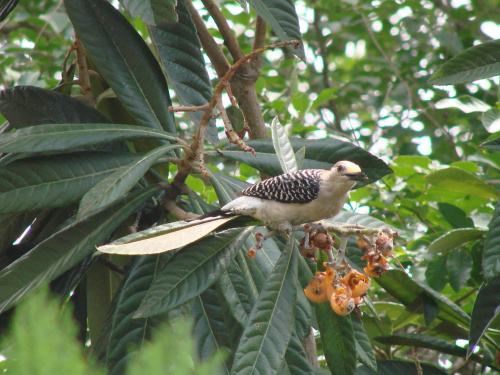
[(360, 176)]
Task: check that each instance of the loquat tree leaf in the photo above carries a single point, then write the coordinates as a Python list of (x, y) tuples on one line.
[(465, 103), (65, 248), (127, 334), (28, 105), (486, 308), (55, 180), (337, 336), (386, 367), (178, 47), (456, 238), (191, 271), (265, 338), (282, 147), (153, 12), (120, 182), (491, 252), (477, 62), (124, 60), (281, 16), (364, 348), (59, 137)]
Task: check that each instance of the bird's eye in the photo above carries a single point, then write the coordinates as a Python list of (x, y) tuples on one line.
[(340, 169)]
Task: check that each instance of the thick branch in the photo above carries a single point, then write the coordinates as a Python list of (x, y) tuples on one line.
[(226, 32), (259, 40), (210, 46)]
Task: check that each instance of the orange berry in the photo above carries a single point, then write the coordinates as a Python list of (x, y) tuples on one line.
[(358, 283), (316, 290), (341, 301)]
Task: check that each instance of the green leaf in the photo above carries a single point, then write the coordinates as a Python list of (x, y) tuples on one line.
[(491, 120), (13, 226), (165, 237), (322, 154), (410, 293), (283, 148), (459, 268), (348, 217), (210, 332), (477, 62), (295, 358), (191, 271), (491, 252), (233, 287), (58, 137), (281, 16), (265, 339), (423, 341), (153, 12), (39, 329), (465, 103), (455, 216), (337, 336), (455, 238), (178, 47), (436, 273), (56, 180), (28, 105), (364, 349), (494, 144), (65, 248), (124, 60), (127, 334), (457, 180), (396, 367), (120, 182), (486, 308)]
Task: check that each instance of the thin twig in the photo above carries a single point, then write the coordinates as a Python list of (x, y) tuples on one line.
[(183, 108), (83, 72)]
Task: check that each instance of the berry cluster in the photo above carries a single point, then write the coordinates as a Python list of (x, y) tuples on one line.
[(340, 284)]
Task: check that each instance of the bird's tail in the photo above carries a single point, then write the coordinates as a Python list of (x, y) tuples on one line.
[(215, 213)]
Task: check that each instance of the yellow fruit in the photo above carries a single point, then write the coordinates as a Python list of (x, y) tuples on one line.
[(316, 290), (341, 301), (358, 283)]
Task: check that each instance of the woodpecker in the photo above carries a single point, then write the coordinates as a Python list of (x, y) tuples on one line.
[(300, 197)]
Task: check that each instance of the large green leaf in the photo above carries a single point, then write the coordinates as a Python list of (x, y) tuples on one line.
[(153, 12), (459, 267), (65, 248), (210, 330), (491, 252), (124, 60), (477, 62), (337, 336), (494, 144), (321, 154), (486, 308), (459, 181), (191, 271), (178, 47), (234, 289), (165, 237), (13, 226), (126, 333), (296, 359), (283, 148), (56, 180), (491, 121), (364, 348), (282, 17), (58, 137), (28, 105), (436, 272), (120, 182), (265, 339), (411, 294), (396, 367)]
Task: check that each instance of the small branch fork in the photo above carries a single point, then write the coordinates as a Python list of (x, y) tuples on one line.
[(194, 154)]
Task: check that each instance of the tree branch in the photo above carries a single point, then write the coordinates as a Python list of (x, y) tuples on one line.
[(226, 32)]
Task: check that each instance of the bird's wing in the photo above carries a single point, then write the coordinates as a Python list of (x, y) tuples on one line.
[(295, 187)]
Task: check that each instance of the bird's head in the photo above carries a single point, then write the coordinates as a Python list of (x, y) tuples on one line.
[(348, 170)]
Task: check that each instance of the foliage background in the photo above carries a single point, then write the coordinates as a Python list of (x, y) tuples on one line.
[(364, 79)]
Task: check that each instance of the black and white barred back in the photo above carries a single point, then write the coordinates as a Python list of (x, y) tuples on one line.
[(294, 187)]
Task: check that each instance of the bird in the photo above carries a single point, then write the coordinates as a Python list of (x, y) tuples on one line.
[(291, 199)]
